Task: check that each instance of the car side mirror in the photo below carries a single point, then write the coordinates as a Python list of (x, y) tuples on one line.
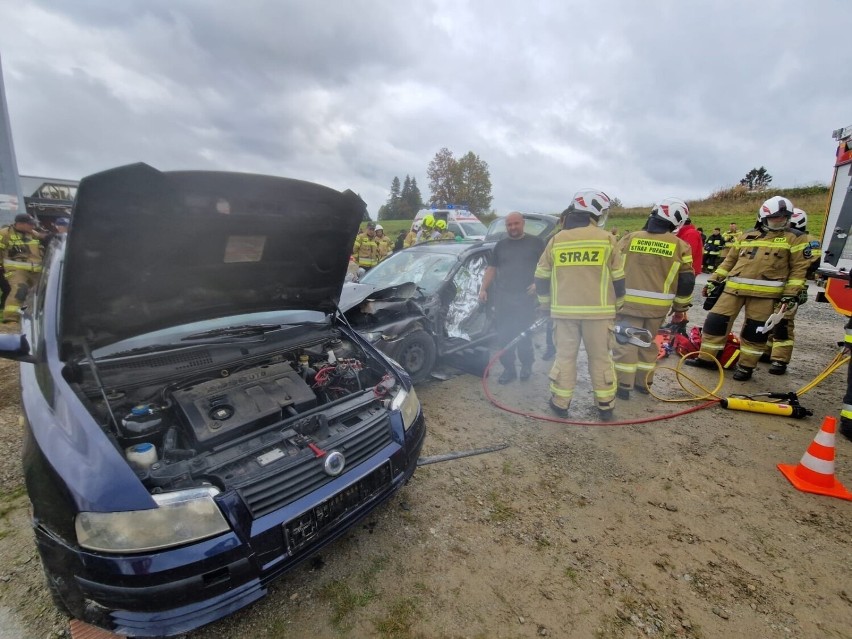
[(15, 347)]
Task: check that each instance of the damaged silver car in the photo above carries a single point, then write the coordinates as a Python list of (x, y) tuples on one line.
[(420, 306)]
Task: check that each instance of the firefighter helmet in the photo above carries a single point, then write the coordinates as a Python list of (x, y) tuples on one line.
[(379, 227), (440, 225), (799, 220), (672, 210), (429, 222), (775, 207), (595, 203)]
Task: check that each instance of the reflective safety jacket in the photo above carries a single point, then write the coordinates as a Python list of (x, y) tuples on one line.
[(657, 272), (767, 263), (385, 246), (714, 244), (20, 251), (581, 274), (410, 239), (366, 251), (816, 254)]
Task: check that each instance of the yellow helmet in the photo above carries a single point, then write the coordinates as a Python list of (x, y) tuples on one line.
[(440, 224), (429, 221)]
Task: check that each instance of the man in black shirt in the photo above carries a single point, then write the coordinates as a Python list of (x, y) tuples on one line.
[(508, 284)]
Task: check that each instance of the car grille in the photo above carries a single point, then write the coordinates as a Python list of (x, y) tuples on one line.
[(306, 475)]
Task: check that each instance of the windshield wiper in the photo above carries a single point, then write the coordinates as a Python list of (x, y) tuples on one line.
[(247, 330)]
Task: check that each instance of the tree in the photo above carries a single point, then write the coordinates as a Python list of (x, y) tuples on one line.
[(757, 180), (410, 200), (615, 203), (465, 182)]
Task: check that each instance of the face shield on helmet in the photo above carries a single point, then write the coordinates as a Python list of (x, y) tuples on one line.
[(672, 210), (440, 225), (799, 220), (595, 203), (779, 208)]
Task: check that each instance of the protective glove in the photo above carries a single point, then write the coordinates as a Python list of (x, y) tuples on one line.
[(790, 300), (708, 289), (679, 317), (803, 296)]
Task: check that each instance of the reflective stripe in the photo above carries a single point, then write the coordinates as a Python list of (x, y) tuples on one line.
[(686, 299), (799, 247), (625, 368), (795, 282), (824, 439), (754, 288), (846, 410), (652, 294), (605, 394), (643, 366), (542, 273), (786, 342), (646, 301), (751, 351), (22, 266), (767, 283), (543, 299), (561, 392), (575, 310), (817, 465), (722, 272)]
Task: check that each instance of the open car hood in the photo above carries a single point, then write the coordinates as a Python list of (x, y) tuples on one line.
[(148, 250)]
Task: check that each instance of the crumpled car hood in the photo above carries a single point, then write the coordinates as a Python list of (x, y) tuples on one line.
[(148, 250)]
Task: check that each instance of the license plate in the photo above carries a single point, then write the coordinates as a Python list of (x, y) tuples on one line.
[(302, 530)]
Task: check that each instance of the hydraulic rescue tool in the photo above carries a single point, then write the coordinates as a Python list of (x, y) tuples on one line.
[(625, 334), (787, 406)]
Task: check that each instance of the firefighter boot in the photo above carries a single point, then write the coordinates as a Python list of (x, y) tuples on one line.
[(622, 392), (743, 374), (509, 375), (561, 412), (846, 428), (526, 371), (778, 368)]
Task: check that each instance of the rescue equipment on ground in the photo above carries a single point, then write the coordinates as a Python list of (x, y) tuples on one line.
[(815, 473), (625, 334), (434, 459), (677, 338), (787, 406)]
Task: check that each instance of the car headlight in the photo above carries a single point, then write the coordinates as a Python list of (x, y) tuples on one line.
[(180, 517), (406, 402)]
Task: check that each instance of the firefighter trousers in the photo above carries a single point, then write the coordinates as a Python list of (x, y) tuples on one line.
[(22, 284), (631, 360), (596, 337), (721, 318)]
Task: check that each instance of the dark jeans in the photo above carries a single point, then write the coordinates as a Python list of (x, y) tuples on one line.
[(5, 289), (514, 314)]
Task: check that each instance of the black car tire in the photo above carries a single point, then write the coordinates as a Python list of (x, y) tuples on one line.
[(416, 354)]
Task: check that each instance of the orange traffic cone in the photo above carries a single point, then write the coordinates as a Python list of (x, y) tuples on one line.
[(815, 473)]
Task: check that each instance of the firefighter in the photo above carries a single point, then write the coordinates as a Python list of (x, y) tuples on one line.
[(765, 268), (713, 250), (22, 251), (659, 277), (730, 236), (689, 234), (383, 242), (580, 281), (426, 228), (366, 249), (411, 238), (780, 347)]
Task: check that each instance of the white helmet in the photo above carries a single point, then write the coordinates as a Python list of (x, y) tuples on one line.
[(774, 206), (799, 220), (379, 227), (595, 203), (416, 226), (672, 210)]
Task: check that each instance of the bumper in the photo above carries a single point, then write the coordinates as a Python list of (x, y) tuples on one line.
[(178, 590)]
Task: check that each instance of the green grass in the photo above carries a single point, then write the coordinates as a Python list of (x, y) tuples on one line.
[(719, 209), (400, 617)]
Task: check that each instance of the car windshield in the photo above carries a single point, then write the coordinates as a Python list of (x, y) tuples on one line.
[(473, 228), (427, 269)]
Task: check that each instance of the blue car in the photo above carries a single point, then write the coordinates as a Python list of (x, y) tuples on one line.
[(199, 416)]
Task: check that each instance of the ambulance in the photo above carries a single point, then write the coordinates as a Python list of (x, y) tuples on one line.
[(836, 261)]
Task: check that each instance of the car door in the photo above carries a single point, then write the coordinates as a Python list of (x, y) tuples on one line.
[(466, 317)]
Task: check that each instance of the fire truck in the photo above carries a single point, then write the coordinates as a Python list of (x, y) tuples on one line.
[(836, 262)]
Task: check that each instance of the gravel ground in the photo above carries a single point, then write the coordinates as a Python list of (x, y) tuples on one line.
[(679, 528)]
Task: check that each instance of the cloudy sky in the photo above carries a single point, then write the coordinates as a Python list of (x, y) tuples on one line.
[(641, 99)]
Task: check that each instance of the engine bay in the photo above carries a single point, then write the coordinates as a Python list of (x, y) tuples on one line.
[(225, 424)]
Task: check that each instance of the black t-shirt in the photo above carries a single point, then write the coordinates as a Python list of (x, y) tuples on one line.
[(515, 261)]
